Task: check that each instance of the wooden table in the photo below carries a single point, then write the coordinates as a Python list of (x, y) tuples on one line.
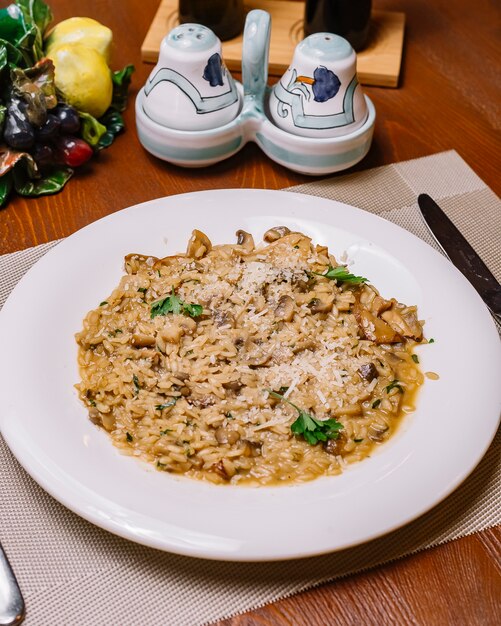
[(449, 97)]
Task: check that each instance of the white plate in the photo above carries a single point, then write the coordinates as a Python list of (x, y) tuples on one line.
[(48, 430)]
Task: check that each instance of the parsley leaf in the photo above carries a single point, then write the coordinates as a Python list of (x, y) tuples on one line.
[(376, 403), (142, 290), (173, 304), (431, 340), (415, 358), (308, 427), (103, 303), (137, 386), (129, 437), (394, 385), (342, 275), (166, 431)]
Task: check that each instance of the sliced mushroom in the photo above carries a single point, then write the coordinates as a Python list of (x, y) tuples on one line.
[(233, 385), (203, 401), (368, 371), (225, 469), (140, 340), (377, 330), (321, 305), (285, 309), (333, 446), (258, 358), (134, 262), (275, 233), (223, 318), (378, 305), (251, 448), (404, 322), (198, 245), (226, 435), (305, 344), (245, 240)]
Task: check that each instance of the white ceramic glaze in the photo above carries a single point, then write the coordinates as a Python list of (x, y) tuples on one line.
[(190, 88), (319, 95), (48, 429), (318, 155)]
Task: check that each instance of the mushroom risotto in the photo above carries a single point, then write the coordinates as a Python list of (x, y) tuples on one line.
[(248, 365)]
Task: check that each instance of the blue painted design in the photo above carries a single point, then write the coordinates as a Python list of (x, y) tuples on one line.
[(213, 72), (203, 104), (325, 84), (286, 96), (309, 160)]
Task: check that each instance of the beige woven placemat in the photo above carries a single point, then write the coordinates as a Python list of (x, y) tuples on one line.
[(73, 573)]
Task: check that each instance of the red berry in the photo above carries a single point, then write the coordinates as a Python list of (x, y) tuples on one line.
[(73, 151)]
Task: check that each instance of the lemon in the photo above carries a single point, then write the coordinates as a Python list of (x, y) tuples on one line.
[(83, 77), (81, 30)]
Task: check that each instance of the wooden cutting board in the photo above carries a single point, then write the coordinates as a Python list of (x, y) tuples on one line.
[(378, 64)]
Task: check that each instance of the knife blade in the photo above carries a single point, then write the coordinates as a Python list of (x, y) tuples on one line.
[(461, 253)]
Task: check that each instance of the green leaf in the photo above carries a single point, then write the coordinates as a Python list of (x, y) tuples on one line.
[(342, 275), (193, 310), (167, 405), (6, 183), (91, 130), (376, 403), (121, 81), (51, 183), (129, 437), (395, 384), (114, 124), (173, 304), (415, 358), (307, 426), (37, 16), (3, 56), (135, 380), (19, 34)]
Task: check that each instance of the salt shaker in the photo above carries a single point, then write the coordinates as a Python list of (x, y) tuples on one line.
[(190, 88), (319, 94)]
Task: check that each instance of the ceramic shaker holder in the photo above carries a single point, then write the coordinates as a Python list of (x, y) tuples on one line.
[(315, 120)]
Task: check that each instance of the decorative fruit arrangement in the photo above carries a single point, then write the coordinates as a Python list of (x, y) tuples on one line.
[(59, 101)]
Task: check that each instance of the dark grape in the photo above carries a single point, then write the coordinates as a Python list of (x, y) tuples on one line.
[(43, 154), (72, 150), (70, 122), (49, 130), (18, 132)]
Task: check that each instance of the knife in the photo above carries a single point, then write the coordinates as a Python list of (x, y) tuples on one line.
[(11, 600), (461, 254)]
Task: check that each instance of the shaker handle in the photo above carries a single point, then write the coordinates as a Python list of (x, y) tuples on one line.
[(256, 45)]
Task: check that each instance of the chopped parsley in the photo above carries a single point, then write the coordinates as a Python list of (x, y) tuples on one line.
[(142, 290), (174, 304), (92, 402), (431, 340), (394, 385), (342, 275), (166, 431), (229, 416), (137, 386), (308, 427), (167, 405), (129, 437), (358, 440), (103, 303), (376, 403), (415, 358), (161, 465)]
